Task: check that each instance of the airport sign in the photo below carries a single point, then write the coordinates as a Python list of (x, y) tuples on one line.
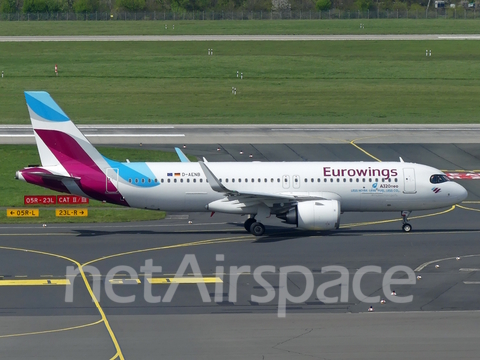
[(71, 212), (23, 212), (39, 199), (71, 199)]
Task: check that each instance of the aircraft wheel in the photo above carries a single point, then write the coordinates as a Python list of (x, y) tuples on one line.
[(248, 223), (257, 229), (407, 227)]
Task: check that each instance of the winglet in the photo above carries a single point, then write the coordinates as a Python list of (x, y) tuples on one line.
[(215, 184), (181, 155)]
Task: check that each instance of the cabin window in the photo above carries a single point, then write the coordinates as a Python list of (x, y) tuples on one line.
[(168, 180), (130, 181), (312, 180), (319, 180), (370, 180), (296, 180), (389, 180), (363, 180), (259, 180), (286, 180), (338, 180), (149, 180), (351, 180), (220, 180), (396, 180), (376, 180), (143, 181), (331, 180), (194, 180), (136, 181), (188, 180), (239, 180), (278, 180), (201, 180), (174, 180), (233, 180), (161, 181), (306, 180), (344, 180), (271, 180), (246, 180), (325, 180), (358, 180)]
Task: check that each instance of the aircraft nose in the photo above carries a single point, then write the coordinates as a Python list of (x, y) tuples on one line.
[(461, 193)]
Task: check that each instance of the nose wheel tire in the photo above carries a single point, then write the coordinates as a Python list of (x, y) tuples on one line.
[(257, 229), (248, 223), (407, 227)]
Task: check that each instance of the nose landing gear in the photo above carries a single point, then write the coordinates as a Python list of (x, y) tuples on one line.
[(406, 226)]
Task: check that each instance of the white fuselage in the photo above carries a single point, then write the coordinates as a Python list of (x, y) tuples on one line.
[(358, 186)]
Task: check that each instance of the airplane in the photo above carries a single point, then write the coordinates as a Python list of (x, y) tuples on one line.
[(309, 195)]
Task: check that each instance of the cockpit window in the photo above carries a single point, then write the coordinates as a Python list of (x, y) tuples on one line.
[(437, 179)]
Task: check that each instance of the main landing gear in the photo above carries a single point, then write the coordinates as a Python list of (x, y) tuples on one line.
[(254, 227), (406, 226)]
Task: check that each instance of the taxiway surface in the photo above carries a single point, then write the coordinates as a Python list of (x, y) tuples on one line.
[(439, 323)]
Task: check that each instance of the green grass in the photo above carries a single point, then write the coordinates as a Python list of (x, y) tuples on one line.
[(253, 27), (285, 82), (15, 157)]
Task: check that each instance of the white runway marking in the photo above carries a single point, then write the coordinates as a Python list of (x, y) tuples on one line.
[(105, 135)]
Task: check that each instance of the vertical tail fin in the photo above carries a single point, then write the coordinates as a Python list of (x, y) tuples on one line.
[(60, 144), (72, 163)]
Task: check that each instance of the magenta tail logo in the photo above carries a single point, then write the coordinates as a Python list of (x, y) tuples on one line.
[(436, 190)]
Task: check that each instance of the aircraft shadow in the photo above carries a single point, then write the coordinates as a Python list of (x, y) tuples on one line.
[(273, 233)]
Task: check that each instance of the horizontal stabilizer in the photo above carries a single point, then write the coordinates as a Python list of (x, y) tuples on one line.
[(52, 176)]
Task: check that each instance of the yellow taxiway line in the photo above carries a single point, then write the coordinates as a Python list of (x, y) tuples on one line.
[(52, 331), (104, 319), (185, 280), (34, 282), (364, 151)]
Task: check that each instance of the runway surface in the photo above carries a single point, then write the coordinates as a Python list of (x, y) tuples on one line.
[(237, 37), (260, 134), (439, 323)]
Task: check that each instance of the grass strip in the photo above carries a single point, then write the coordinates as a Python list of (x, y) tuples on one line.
[(375, 82), (242, 27), (15, 157)]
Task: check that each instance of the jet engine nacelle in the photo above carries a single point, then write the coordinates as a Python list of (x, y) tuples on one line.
[(314, 215)]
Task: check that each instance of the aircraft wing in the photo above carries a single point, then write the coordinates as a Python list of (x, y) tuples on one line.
[(275, 201), (181, 155)]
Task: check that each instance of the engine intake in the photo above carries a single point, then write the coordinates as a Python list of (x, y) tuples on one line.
[(314, 215)]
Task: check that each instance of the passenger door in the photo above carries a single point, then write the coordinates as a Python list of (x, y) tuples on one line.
[(409, 184)]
